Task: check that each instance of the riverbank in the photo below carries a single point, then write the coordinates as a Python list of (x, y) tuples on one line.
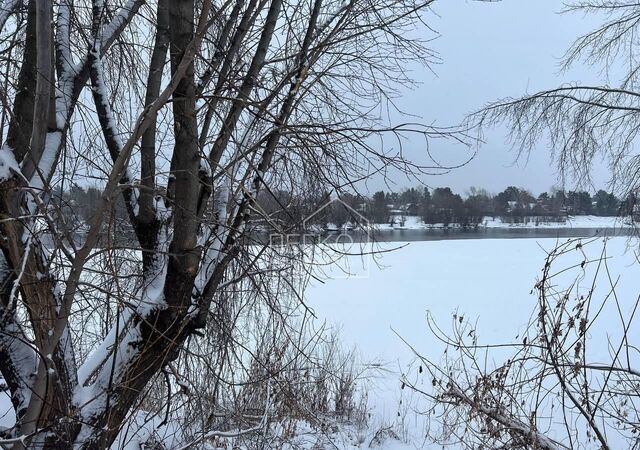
[(595, 222)]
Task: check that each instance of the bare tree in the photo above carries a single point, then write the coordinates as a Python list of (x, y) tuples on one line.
[(569, 380), (584, 124), (182, 111)]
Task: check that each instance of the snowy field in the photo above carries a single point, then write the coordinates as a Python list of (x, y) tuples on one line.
[(487, 281)]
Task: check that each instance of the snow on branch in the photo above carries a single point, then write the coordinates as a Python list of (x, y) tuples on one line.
[(152, 295), (100, 91), (97, 358), (105, 115), (66, 92), (213, 238), (63, 38), (16, 353), (121, 19), (19, 360), (107, 362), (107, 121), (46, 165), (8, 164), (92, 400), (9, 443), (151, 298)]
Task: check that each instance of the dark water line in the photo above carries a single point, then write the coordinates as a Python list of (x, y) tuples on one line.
[(500, 233), (415, 235)]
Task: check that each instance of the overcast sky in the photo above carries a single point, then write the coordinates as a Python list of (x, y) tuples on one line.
[(490, 51)]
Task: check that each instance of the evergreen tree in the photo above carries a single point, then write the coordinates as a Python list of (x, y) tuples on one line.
[(607, 204), (379, 212)]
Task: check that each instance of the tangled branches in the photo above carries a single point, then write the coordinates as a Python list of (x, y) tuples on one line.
[(570, 380)]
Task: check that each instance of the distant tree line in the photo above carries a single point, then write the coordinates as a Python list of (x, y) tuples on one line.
[(277, 209), (513, 205), (443, 206)]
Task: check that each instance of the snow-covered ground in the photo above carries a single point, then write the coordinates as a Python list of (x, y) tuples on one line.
[(416, 223), (488, 281), (571, 222), (485, 280)]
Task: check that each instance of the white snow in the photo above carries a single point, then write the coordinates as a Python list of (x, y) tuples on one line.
[(141, 427), (26, 362), (100, 88), (410, 223), (92, 399), (571, 222), (100, 354), (52, 144), (416, 223), (488, 280), (8, 163), (64, 94), (63, 34), (118, 20)]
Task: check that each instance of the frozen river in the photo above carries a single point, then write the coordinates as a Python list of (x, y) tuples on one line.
[(488, 281)]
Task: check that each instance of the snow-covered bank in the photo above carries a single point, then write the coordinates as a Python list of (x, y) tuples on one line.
[(571, 222), (416, 223)]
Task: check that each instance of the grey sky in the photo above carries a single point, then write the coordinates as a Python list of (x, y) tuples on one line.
[(489, 51)]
